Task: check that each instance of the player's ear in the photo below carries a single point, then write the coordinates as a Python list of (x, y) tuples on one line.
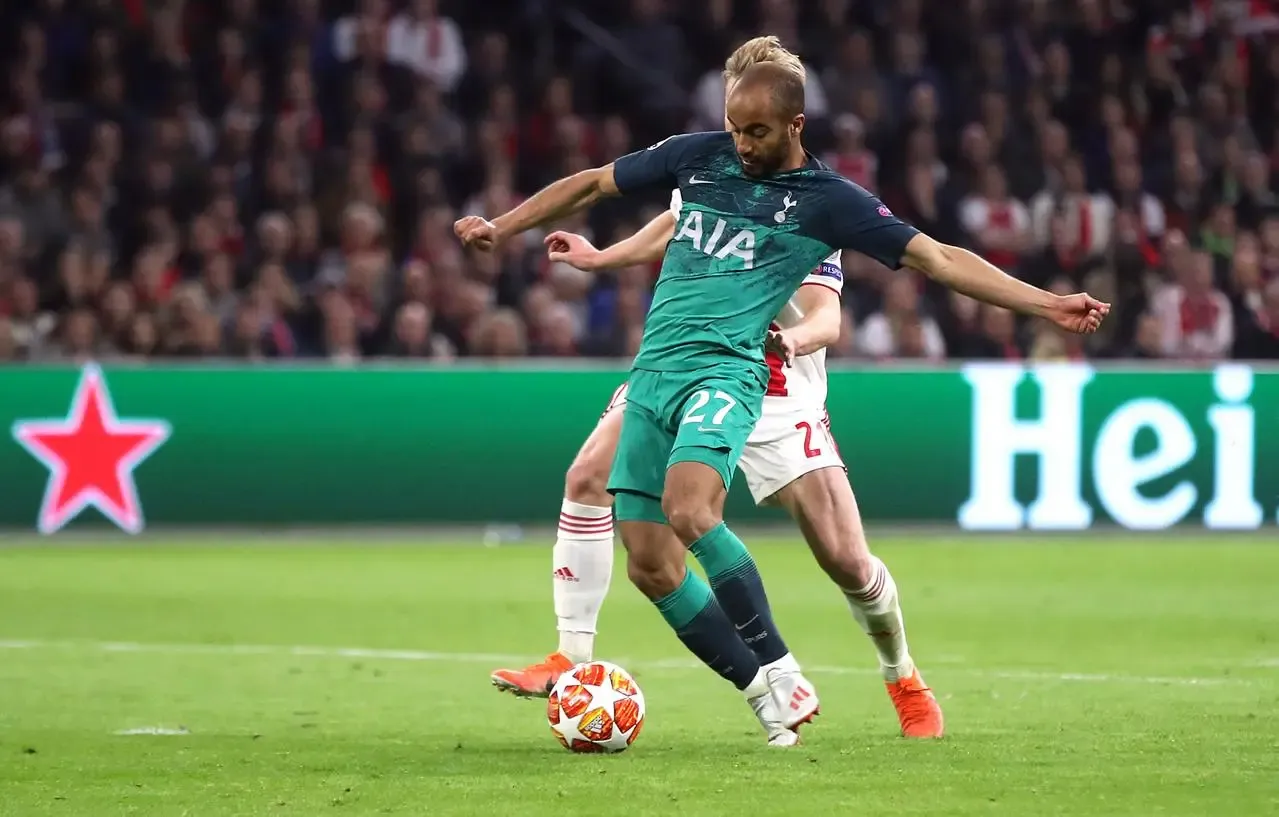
[(797, 126)]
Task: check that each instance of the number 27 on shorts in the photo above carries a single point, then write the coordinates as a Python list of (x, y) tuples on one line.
[(695, 413)]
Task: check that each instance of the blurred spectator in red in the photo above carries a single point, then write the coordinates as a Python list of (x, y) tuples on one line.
[(421, 39), (1065, 255), (1196, 319), (999, 223), (1088, 217)]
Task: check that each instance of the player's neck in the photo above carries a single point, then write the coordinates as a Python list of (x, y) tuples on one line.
[(796, 159)]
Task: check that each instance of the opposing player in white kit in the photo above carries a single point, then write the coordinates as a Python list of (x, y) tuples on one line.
[(790, 459)]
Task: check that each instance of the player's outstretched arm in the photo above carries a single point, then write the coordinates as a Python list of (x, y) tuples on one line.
[(859, 220), (553, 202), (820, 327), (647, 245), (971, 275)]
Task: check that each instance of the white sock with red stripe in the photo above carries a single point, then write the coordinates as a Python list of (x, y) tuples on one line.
[(877, 610), (583, 559)]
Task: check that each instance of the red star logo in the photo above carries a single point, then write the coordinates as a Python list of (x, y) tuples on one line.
[(91, 456)]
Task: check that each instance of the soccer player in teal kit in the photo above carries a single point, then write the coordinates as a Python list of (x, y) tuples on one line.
[(759, 213)]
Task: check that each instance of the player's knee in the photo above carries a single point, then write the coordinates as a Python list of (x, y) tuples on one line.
[(838, 545), (654, 577), (689, 519), (841, 551), (849, 566), (587, 481)]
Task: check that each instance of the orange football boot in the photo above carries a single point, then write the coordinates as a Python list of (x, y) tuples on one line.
[(535, 680), (917, 708)]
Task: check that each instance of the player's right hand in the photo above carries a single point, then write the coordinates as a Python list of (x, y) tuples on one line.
[(1080, 313), (572, 249), (782, 344), (476, 232)]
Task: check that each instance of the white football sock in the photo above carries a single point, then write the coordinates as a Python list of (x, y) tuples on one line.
[(758, 686), (877, 610), (583, 558), (787, 663)]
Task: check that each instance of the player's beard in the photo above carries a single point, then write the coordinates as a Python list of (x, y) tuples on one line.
[(766, 162)]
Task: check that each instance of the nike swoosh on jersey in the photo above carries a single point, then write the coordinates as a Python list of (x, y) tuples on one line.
[(694, 180)]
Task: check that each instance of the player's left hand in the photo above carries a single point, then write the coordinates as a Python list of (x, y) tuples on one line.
[(476, 232), (572, 249), (780, 343), (1080, 313)]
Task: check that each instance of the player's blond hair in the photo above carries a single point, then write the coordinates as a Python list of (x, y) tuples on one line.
[(762, 49)]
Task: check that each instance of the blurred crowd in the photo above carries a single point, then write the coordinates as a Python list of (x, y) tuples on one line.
[(279, 179)]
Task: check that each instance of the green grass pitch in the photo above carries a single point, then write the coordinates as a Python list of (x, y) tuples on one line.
[(1089, 676)]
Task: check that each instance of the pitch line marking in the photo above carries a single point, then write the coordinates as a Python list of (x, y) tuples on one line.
[(369, 653)]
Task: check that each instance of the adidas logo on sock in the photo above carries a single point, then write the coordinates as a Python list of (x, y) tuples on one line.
[(564, 574)]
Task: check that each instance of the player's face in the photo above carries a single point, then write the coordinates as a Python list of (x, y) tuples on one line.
[(762, 137)]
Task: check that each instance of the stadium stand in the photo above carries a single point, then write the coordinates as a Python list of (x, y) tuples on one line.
[(258, 179)]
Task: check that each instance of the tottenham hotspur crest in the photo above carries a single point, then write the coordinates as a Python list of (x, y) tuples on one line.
[(787, 203)]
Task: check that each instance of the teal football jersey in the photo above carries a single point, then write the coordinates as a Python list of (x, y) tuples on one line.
[(742, 246)]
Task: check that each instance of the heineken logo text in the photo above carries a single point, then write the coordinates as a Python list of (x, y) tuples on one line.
[(1069, 458)]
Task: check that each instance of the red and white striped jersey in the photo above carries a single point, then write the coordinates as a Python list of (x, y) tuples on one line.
[(805, 379)]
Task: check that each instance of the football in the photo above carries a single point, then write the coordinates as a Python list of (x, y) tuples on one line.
[(596, 707)]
